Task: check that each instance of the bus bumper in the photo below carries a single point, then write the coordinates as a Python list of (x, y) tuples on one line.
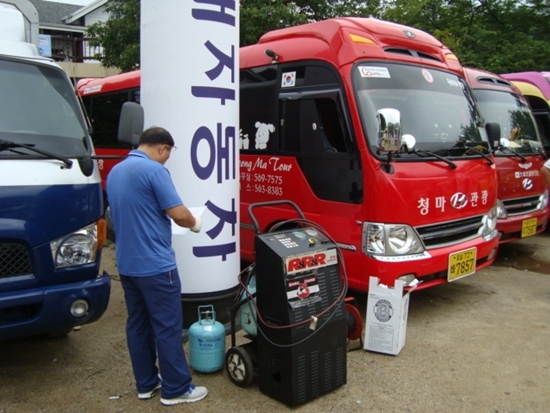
[(511, 228), (430, 271)]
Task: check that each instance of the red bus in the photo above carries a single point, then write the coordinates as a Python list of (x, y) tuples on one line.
[(103, 100), (368, 127), (519, 156)]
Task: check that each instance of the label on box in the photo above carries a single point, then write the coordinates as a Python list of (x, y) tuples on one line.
[(381, 338)]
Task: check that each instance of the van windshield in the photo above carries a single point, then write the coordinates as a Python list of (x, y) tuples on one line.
[(38, 107), (517, 125), (436, 108)]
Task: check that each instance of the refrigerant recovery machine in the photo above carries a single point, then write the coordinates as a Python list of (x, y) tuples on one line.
[(292, 307)]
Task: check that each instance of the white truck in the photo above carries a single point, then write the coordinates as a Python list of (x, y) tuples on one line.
[(51, 205)]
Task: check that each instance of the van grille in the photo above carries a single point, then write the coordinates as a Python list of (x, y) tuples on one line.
[(521, 205), (14, 260), (449, 233)]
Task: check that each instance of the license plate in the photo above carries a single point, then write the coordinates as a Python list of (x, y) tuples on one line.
[(461, 264), (528, 227)]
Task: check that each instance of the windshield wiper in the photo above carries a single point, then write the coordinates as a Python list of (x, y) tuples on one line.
[(541, 153), (9, 145), (489, 160), (441, 158), (505, 149)]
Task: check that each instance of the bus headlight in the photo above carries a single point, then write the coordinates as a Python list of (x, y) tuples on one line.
[(501, 210), (490, 223), (77, 248), (543, 200), (390, 239)]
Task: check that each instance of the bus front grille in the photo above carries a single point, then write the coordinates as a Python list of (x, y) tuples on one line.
[(449, 233), (519, 206)]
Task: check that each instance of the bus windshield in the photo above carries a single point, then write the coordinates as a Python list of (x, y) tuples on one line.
[(38, 107), (517, 126), (436, 108)]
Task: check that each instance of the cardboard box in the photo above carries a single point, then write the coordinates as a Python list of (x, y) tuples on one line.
[(387, 312)]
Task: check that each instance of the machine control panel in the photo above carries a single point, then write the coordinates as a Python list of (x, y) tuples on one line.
[(297, 238)]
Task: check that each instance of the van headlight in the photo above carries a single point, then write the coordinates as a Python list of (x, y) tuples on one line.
[(490, 223), (77, 248), (390, 239)]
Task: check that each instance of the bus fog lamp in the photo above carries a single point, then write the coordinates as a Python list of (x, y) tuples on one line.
[(408, 279), (79, 308)]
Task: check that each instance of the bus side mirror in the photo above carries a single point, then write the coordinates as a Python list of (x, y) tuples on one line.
[(493, 134), (389, 129), (130, 125)]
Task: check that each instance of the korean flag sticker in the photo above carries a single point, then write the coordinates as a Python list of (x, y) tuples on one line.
[(428, 76), (289, 79)]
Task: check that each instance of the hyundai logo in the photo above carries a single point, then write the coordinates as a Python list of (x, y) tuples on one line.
[(527, 184), (409, 34), (459, 200)]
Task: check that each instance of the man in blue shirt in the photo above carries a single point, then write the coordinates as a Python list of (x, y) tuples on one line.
[(142, 198)]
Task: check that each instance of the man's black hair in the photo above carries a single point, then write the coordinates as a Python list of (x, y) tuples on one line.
[(156, 136)]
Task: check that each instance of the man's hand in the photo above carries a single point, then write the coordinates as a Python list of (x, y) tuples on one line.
[(198, 225)]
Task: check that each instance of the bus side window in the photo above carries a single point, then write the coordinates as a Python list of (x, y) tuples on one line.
[(313, 131), (331, 125), (258, 110), (106, 110), (311, 125)]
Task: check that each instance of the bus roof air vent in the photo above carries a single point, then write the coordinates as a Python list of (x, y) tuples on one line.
[(411, 53), (489, 80)]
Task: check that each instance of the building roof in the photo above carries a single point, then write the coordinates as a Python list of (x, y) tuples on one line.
[(83, 11), (53, 13)]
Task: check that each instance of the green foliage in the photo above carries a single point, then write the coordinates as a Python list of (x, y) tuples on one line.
[(500, 36), (496, 35), (260, 16), (118, 36)]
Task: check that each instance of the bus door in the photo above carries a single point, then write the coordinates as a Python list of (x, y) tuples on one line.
[(311, 133), (314, 131)]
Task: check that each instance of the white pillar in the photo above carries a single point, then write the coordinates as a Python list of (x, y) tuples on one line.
[(190, 86)]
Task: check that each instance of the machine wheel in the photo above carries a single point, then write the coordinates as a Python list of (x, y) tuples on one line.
[(354, 322), (238, 365)]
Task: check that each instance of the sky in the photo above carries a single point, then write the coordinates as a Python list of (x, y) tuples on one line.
[(78, 2)]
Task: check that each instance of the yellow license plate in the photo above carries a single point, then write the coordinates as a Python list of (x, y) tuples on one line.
[(528, 227), (461, 264)]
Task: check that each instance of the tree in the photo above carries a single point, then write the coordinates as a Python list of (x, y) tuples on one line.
[(487, 34), (260, 16), (118, 36)]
